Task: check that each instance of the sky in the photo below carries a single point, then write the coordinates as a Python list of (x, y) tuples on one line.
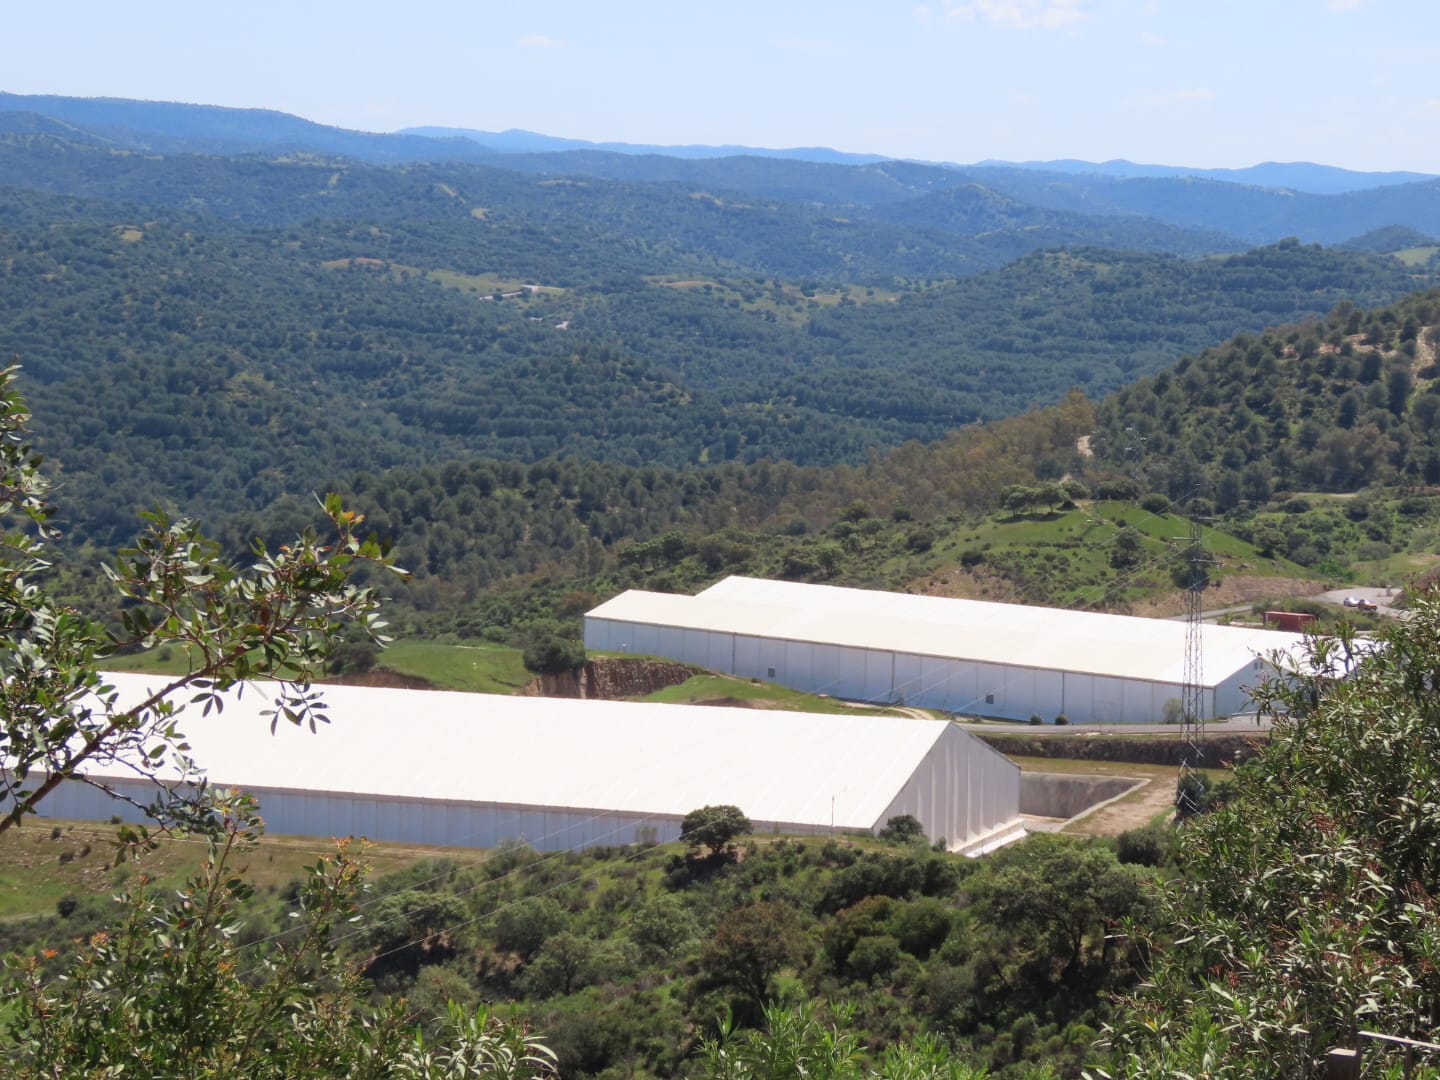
[(1200, 83)]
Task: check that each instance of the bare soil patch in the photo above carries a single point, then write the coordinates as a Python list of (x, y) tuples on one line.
[(383, 678), (1132, 811), (977, 584), (1233, 589), (728, 702)]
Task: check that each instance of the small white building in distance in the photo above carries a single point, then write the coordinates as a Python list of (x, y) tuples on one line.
[(963, 656), (475, 770)]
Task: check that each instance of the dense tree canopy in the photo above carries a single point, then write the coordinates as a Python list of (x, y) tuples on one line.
[(1308, 911)]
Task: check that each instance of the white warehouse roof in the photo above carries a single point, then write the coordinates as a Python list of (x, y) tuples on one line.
[(653, 759), (1013, 634)]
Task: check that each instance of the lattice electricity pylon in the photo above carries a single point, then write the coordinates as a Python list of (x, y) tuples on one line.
[(1192, 693)]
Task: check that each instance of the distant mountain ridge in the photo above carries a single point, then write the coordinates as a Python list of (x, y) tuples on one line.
[(169, 127), (519, 141), (1294, 175), (177, 127)]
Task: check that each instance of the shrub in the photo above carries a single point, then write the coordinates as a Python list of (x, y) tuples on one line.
[(1122, 490), (920, 540), (1141, 847), (874, 956), (903, 828), (1062, 719), (552, 655)]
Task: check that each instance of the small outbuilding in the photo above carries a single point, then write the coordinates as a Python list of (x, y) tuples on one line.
[(476, 770), (964, 656)]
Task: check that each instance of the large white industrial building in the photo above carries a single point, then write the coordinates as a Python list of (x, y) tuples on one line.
[(473, 770), (963, 656)]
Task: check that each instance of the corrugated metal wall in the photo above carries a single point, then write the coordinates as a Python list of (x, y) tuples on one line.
[(956, 685)]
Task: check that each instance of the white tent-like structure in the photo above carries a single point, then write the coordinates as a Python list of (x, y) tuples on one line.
[(474, 770), (964, 656)]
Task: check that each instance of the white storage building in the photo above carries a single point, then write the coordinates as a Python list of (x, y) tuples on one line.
[(473, 770), (964, 656)]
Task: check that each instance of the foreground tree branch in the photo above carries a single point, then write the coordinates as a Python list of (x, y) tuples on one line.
[(273, 618)]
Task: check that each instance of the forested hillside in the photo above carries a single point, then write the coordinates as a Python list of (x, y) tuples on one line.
[(1334, 405), (261, 328), (540, 384)]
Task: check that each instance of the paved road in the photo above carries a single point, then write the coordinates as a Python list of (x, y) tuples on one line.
[(1236, 725), (1381, 598)]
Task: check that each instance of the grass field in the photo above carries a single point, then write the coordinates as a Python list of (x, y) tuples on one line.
[(46, 859), (484, 668), (722, 689), (1066, 554)]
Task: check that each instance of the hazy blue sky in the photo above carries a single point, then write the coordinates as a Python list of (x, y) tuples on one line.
[(1193, 82)]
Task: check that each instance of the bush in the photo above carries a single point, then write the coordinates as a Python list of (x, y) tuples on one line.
[(920, 540), (714, 828), (1062, 719), (1036, 719), (552, 655), (874, 956), (1141, 847), (1121, 490), (1155, 503), (902, 829)]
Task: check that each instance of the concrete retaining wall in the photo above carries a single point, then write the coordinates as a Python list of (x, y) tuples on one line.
[(1060, 795)]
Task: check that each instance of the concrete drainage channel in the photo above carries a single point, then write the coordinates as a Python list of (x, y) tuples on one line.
[(1050, 801)]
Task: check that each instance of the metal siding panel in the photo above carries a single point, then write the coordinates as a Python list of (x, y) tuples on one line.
[(747, 657), (1109, 701), (879, 676), (1019, 693), (935, 689), (850, 678), (827, 669), (965, 693), (990, 680), (1138, 707), (692, 647), (1048, 698), (720, 651), (641, 638), (511, 825), (388, 825), (773, 657), (909, 678), (366, 815), (799, 665), (597, 633), (1079, 696)]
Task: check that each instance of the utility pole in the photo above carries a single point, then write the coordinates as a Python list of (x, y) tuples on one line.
[(1192, 694)]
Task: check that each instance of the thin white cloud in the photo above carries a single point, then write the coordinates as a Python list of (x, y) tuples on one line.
[(811, 46), (538, 41), (1179, 97), (1021, 14), (1153, 41)]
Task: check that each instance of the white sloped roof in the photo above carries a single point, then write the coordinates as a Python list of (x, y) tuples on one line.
[(1036, 637), (564, 753)]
